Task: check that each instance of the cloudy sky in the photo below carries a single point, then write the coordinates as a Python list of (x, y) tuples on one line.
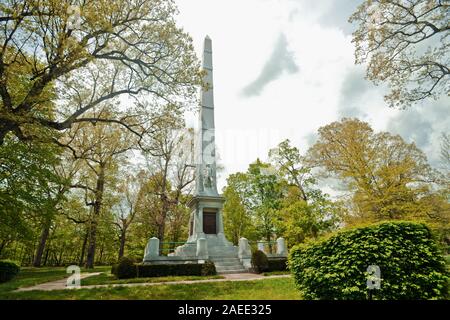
[(284, 68)]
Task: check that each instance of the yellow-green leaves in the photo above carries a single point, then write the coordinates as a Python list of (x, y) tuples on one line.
[(406, 44)]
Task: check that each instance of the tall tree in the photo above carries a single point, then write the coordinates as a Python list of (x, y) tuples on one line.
[(168, 150), (298, 220), (65, 170), (125, 209), (92, 51), (29, 187), (100, 147), (305, 211), (260, 190), (292, 166), (406, 43), (385, 175), (236, 219)]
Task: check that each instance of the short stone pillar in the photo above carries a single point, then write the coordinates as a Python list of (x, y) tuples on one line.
[(244, 249), (152, 249), (245, 253), (281, 247), (202, 248), (261, 246)]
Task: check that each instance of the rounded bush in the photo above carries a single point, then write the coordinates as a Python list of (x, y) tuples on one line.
[(279, 264), (260, 263), (410, 263), (208, 268), (125, 269), (8, 270), (114, 269)]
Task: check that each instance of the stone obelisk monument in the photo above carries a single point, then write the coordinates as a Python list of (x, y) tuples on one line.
[(206, 219), (206, 233)]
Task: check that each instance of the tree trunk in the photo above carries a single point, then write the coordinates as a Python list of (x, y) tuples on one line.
[(42, 242), (100, 260), (83, 248), (46, 256), (122, 243), (91, 245), (269, 245), (160, 235), (94, 221)]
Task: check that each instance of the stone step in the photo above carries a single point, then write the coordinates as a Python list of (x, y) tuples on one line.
[(232, 267), (242, 270), (226, 259), (222, 255), (218, 251), (227, 263)]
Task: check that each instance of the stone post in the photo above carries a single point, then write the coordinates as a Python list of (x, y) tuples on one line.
[(152, 249), (244, 248), (281, 247), (245, 253), (202, 248), (261, 246)]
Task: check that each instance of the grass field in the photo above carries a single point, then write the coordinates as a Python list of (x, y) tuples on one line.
[(107, 278), (28, 277), (281, 288), (278, 288)]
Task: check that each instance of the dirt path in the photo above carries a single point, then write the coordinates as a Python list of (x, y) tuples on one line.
[(56, 285), (61, 284)]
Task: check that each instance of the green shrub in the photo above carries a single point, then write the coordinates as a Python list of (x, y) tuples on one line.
[(8, 270), (187, 269), (209, 269), (278, 264), (260, 263), (114, 269), (409, 260), (126, 268)]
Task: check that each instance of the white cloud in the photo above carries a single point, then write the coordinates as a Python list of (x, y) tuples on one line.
[(291, 105)]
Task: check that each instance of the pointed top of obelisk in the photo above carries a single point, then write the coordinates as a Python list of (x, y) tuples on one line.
[(207, 45)]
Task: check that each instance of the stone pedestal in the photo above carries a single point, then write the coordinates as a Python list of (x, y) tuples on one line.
[(152, 249), (202, 249), (281, 247), (245, 253)]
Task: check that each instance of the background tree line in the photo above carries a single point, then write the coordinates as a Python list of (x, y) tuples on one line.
[(84, 95), (379, 176)]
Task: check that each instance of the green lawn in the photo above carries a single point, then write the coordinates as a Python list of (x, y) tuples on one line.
[(28, 277), (275, 273), (108, 278), (282, 288)]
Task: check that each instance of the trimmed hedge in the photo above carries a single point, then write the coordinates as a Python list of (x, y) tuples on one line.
[(8, 270), (410, 262), (114, 269), (187, 269), (209, 269), (279, 264), (125, 269), (260, 263)]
